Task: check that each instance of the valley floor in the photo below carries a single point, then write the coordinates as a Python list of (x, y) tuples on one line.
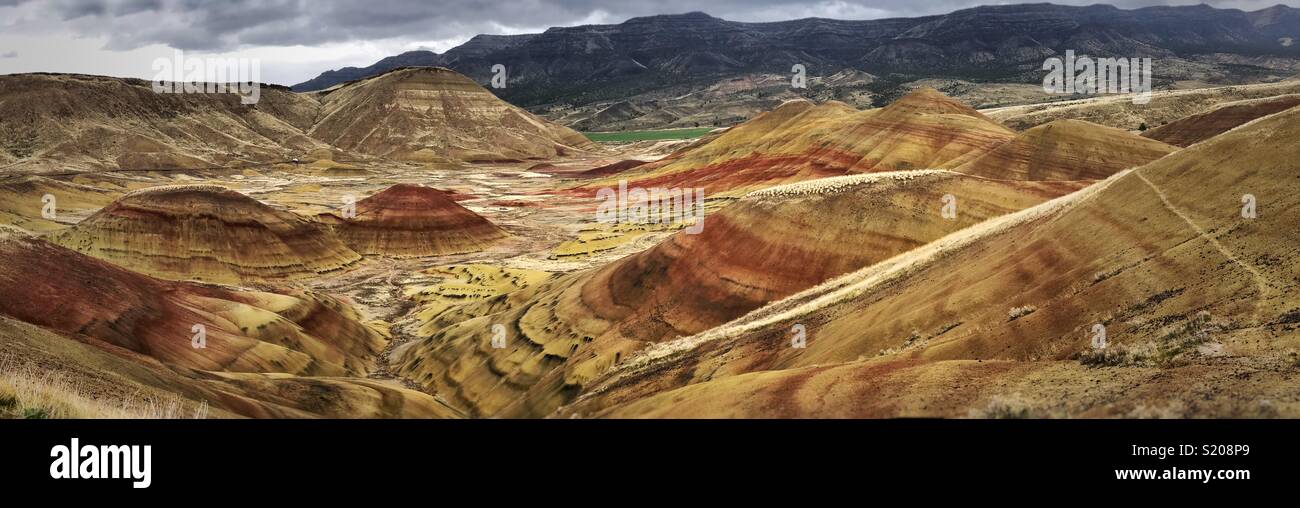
[(551, 232)]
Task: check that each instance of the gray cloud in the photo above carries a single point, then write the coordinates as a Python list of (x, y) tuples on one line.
[(232, 24), (123, 37)]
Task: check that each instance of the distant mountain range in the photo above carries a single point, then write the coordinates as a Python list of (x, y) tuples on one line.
[(579, 65)]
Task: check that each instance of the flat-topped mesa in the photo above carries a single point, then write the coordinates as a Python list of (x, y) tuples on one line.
[(413, 220), (209, 233), (431, 113), (1067, 150)]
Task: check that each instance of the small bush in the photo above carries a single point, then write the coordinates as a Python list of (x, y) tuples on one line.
[(35, 413), (1019, 312), (1117, 355), (1193, 333), (1004, 408), (1165, 352)]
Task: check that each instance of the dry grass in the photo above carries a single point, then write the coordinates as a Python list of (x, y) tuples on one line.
[(836, 184), (27, 391), (1004, 407), (177, 188), (1172, 349)]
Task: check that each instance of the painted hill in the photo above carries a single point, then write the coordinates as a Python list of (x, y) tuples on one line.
[(612, 168), (764, 247), (61, 123), (802, 141), (1066, 150), (422, 113), (1225, 117), (206, 232), (66, 122), (1198, 305), (131, 332), (412, 220), (23, 199), (1119, 111)]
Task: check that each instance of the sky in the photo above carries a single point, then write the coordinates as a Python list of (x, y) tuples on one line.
[(294, 40)]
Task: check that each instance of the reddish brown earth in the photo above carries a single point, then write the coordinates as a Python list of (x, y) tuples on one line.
[(1199, 127), (764, 247), (1066, 150), (412, 220), (612, 168), (151, 323), (1199, 305), (154, 317), (802, 141)]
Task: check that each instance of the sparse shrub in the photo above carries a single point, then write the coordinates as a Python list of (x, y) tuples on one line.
[(1164, 352), (35, 413), (1004, 408), (1117, 355), (1101, 276), (1173, 410), (1019, 312), (22, 145), (1193, 333), (947, 328)]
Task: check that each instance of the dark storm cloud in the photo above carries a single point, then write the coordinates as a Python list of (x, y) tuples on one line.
[(229, 24)]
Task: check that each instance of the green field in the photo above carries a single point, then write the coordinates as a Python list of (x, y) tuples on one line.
[(628, 136)]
